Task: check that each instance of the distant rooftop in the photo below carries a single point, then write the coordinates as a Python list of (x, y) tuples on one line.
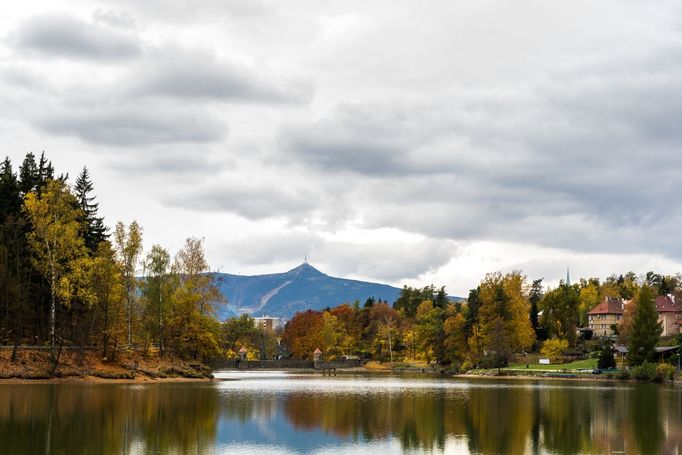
[(609, 305)]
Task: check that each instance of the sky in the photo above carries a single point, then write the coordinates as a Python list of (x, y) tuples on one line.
[(394, 141)]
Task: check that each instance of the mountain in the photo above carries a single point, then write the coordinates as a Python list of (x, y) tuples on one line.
[(299, 289)]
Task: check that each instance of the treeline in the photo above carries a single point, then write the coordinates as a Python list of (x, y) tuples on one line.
[(503, 316), (66, 279), (423, 324)]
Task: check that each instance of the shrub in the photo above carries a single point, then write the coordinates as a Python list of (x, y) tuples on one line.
[(664, 372), (644, 372), (554, 349), (624, 375), (606, 359)]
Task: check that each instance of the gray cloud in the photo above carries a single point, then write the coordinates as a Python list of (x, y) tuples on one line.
[(62, 35), (199, 74), (385, 260), (124, 125), (587, 162), (252, 200)]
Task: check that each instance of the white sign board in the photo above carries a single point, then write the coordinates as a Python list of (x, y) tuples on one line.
[(544, 361)]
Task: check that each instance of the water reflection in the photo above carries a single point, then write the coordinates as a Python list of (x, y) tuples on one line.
[(279, 413)]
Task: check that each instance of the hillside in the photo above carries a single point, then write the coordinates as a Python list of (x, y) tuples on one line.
[(299, 289)]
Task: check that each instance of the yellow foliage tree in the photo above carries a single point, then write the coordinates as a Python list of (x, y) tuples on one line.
[(503, 316), (554, 349), (55, 242)]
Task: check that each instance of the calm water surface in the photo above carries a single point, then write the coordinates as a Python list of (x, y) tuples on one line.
[(277, 413)]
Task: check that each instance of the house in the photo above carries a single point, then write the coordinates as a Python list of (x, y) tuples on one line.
[(669, 314), (605, 315), (664, 352)]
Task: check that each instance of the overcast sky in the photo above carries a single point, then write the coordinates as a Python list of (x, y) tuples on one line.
[(394, 141)]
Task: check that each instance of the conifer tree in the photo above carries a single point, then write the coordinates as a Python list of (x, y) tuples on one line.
[(94, 230), (646, 331), (29, 177), (10, 199), (534, 298)]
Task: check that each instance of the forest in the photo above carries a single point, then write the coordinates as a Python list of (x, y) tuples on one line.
[(69, 280)]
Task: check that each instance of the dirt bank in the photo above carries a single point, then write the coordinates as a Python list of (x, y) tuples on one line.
[(35, 366)]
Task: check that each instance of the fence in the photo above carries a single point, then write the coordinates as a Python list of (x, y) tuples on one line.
[(282, 364)]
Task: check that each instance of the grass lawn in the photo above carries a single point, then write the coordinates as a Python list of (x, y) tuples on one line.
[(587, 364)]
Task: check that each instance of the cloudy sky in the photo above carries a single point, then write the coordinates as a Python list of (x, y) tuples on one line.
[(395, 141)]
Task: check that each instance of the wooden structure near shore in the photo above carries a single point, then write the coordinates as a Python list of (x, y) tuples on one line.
[(286, 364)]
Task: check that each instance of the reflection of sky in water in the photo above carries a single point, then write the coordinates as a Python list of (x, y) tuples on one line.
[(269, 431), (268, 428)]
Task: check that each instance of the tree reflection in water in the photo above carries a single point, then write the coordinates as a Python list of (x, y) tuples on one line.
[(488, 417)]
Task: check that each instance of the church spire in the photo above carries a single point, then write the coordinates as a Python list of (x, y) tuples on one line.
[(568, 277)]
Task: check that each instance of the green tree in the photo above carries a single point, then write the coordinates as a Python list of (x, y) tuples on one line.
[(29, 176), (534, 299), (94, 230), (410, 298), (645, 331), (560, 312), (606, 359), (10, 198)]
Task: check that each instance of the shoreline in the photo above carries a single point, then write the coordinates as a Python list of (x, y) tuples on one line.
[(98, 380)]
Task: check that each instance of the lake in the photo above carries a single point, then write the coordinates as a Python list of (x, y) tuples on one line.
[(276, 412)]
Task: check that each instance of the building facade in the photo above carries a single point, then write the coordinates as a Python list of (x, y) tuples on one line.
[(267, 322), (669, 314), (609, 312), (604, 316)]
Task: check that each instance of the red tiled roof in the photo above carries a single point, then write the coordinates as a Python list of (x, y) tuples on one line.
[(608, 306), (666, 304)]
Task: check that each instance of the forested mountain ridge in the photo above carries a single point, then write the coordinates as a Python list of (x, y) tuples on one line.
[(299, 289)]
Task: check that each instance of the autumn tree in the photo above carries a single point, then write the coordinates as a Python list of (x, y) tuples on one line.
[(589, 297), (54, 240), (157, 290), (128, 246), (430, 332), (302, 334), (455, 342), (111, 298), (194, 329), (504, 325)]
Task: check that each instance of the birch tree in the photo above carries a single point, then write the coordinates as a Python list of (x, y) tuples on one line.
[(55, 242), (128, 248)]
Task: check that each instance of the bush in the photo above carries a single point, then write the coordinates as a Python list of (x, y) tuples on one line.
[(664, 372), (606, 359), (644, 372), (623, 375), (490, 362), (554, 349)]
